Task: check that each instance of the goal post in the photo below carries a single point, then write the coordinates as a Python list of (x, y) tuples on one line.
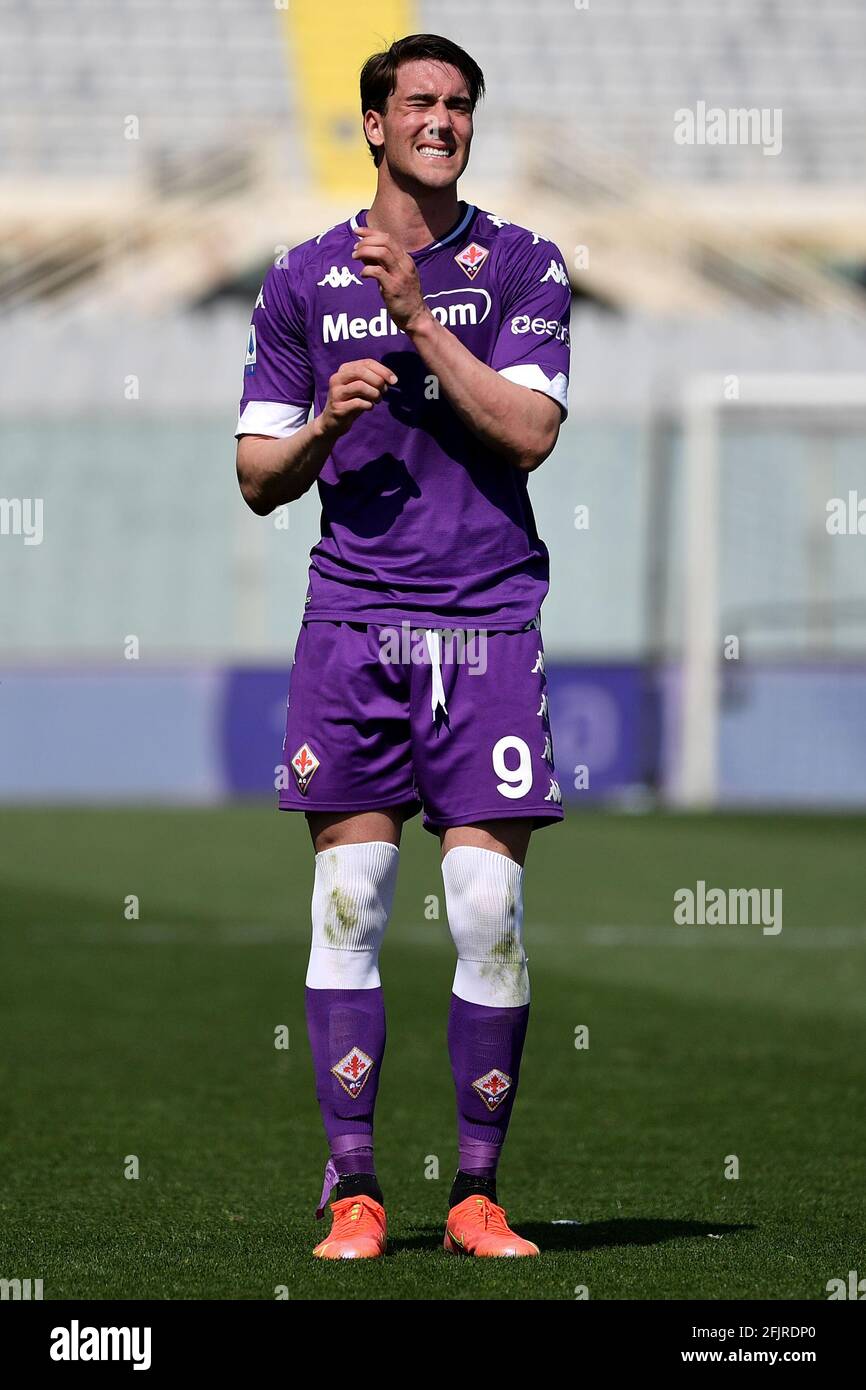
[(709, 400)]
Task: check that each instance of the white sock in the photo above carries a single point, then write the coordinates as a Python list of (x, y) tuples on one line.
[(484, 899), (352, 895)]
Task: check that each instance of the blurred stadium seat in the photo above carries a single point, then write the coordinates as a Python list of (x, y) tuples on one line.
[(130, 266)]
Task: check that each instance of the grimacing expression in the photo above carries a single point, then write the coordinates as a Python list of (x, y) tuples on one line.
[(427, 125)]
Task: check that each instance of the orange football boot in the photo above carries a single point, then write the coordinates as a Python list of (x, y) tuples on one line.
[(477, 1226), (358, 1230)]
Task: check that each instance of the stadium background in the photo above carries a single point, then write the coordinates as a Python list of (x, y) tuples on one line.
[(154, 159)]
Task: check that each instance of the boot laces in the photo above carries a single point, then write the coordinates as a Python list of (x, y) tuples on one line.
[(492, 1216), (350, 1209)]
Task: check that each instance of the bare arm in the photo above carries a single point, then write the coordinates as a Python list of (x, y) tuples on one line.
[(272, 471), (512, 420)]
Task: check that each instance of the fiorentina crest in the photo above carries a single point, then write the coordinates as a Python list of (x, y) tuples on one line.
[(304, 764), (472, 258), (492, 1087), (352, 1071)]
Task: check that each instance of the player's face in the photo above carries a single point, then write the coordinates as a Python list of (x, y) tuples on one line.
[(427, 127)]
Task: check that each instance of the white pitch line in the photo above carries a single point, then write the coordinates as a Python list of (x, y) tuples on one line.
[(436, 934), (811, 938)]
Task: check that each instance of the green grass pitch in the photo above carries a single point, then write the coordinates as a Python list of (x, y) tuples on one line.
[(155, 1038)]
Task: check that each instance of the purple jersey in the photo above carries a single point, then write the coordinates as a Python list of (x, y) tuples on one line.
[(420, 520)]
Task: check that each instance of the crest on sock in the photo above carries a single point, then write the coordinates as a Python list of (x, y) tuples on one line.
[(352, 1071), (493, 1087)]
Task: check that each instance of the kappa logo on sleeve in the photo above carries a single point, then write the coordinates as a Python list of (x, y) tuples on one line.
[(304, 764), (557, 272), (472, 258)]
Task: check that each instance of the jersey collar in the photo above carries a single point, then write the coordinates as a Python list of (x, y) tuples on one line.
[(360, 220)]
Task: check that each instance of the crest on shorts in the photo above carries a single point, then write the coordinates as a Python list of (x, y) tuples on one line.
[(493, 1087), (304, 764), (472, 258), (352, 1071)]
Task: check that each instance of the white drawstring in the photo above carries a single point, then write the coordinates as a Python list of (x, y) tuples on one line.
[(437, 694)]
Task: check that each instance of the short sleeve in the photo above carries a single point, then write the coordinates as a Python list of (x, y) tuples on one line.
[(533, 346), (278, 377)]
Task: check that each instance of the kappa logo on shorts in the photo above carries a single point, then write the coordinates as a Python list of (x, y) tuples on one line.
[(472, 258), (304, 764), (555, 793), (493, 1087), (539, 665), (352, 1071), (544, 707)]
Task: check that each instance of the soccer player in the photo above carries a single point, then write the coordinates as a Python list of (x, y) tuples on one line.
[(431, 340)]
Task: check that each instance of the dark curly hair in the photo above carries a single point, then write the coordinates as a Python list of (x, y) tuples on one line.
[(379, 73)]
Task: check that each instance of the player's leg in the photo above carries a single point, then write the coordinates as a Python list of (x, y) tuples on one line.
[(482, 869), (355, 877), (508, 837), (487, 777), (345, 753)]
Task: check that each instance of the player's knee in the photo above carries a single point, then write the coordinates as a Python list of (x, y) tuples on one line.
[(484, 900), (353, 892)]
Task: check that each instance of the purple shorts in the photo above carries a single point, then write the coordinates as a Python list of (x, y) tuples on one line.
[(395, 716)]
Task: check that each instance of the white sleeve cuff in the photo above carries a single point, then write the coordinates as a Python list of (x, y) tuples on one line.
[(272, 417), (531, 375)]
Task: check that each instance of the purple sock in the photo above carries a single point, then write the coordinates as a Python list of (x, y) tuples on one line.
[(346, 1028), (485, 1045)]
